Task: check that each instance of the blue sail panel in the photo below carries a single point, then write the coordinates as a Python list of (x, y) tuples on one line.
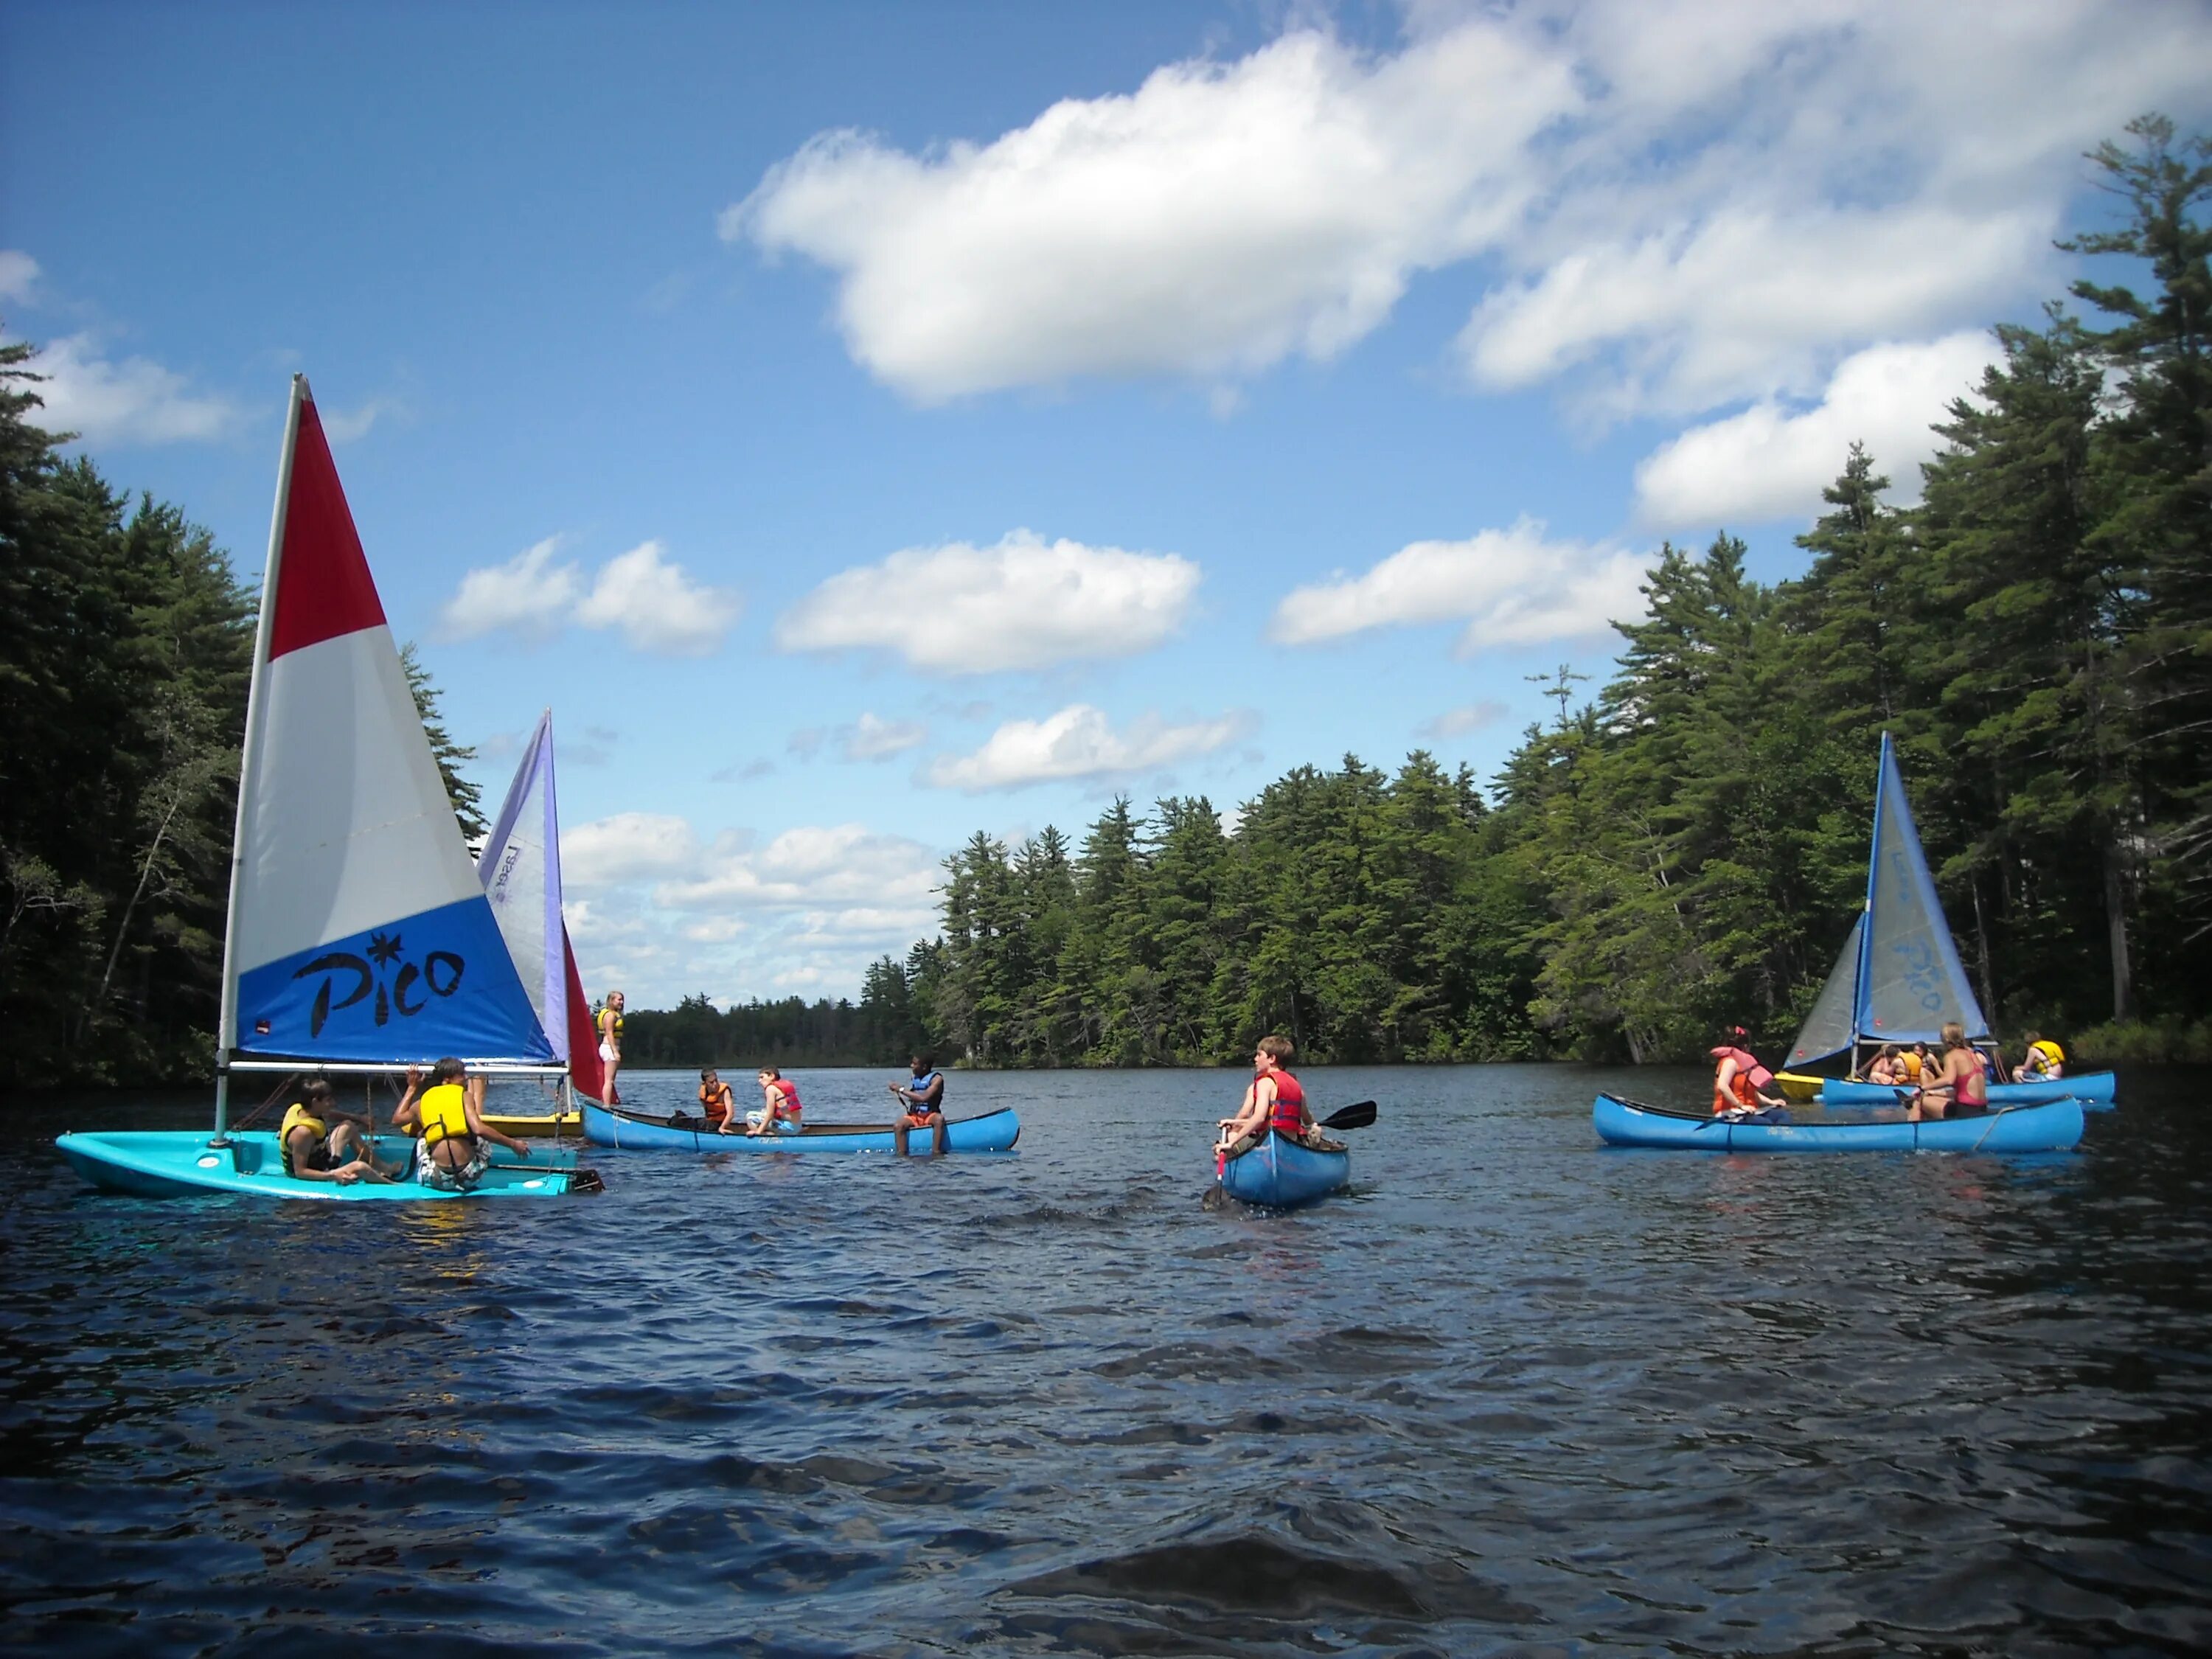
[(1911, 980), (438, 982), (1828, 1027)]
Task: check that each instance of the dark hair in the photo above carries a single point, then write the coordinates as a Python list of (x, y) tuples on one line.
[(706, 1071), (448, 1070), (920, 1063), (317, 1089)]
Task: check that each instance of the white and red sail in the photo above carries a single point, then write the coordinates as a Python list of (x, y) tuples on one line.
[(358, 928)]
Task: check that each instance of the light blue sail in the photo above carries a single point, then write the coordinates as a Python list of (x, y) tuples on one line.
[(1911, 980)]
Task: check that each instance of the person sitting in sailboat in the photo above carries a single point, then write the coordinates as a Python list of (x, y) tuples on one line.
[(450, 1156), (1960, 1086), (2045, 1059), (320, 1142), (1887, 1067), (1740, 1082)]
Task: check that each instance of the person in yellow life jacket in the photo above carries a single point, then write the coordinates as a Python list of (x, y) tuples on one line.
[(450, 1156), (319, 1143), (1910, 1063), (2045, 1059), (610, 1023)]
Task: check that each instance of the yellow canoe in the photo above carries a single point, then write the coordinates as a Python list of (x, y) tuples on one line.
[(548, 1126)]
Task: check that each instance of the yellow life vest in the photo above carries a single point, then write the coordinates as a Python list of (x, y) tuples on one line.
[(611, 1025), (444, 1113), (1910, 1062), (2051, 1052), (297, 1116)]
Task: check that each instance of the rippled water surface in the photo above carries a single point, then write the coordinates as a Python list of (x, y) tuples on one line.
[(1514, 1393)]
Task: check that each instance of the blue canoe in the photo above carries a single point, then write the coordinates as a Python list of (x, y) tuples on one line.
[(993, 1132), (2095, 1090), (177, 1163), (2053, 1126), (1282, 1174)]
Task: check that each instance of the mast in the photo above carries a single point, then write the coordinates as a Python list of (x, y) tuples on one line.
[(1866, 915), (226, 1021)]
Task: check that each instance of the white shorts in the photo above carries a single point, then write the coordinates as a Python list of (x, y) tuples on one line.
[(784, 1125), (607, 1053)]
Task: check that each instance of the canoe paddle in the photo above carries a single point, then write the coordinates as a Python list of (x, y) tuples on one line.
[(1357, 1115)]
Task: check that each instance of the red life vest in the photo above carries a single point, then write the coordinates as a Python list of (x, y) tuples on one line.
[(1976, 1079), (786, 1105), (1286, 1116)]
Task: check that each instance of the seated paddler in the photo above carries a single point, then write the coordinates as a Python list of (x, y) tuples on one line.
[(1886, 1068), (1275, 1101), (1740, 1082), (450, 1156), (921, 1102), (2045, 1059), (780, 1109), (718, 1101), (320, 1142)]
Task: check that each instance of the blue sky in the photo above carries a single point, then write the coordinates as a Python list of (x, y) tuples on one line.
[(866, 424)]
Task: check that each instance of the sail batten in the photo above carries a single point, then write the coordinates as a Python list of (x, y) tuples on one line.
[(358, 930)]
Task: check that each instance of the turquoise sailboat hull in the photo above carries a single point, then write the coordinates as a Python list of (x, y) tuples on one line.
[(1282, 1175), (2095, 1090), (185, 1162), (2053, 1126), (992, 1132)]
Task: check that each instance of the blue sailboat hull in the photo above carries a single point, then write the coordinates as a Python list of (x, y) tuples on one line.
[(1282, 1174), (2053, 1126), (993, 1132), (187, 1163), (2095, 1090)]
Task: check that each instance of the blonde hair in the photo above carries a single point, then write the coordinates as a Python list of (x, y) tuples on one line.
[(1954, 1035)]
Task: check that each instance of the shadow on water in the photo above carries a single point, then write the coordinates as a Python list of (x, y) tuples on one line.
[(1513, 1394)]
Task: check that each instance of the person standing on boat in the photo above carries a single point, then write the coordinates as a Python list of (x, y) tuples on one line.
[(780, 1108), (718, 1101), (921, 1100), (1740, 1082), (2045, 1059), (1961, 1087), (450, 1156), (610, 1039), (319, 1143), (1275, 1101)]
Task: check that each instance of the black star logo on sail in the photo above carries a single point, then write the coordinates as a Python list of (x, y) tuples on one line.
[(384, 949)]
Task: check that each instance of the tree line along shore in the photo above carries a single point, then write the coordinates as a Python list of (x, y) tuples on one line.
[(1682, 850)]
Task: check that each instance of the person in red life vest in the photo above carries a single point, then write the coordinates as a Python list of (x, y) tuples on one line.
[(1276, 1100), (778, 1112), (1740, 1082), (921, 1100), (718, 1101), (1959, 1087)]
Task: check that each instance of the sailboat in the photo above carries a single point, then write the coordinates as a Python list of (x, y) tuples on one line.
[(359, 937), (1898, 978), (520, 869)]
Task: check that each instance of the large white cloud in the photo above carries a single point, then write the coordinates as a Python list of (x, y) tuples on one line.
[(129, 400), (652, 601), (1677, 203), (1025, 603), (1771, 461), (19, 274), (1080, 742), (1510, 587)]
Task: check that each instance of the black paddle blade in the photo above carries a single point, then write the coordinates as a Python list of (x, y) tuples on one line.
[(1356, 1115)]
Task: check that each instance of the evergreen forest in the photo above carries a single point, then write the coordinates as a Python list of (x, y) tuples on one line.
[(1683, 849)]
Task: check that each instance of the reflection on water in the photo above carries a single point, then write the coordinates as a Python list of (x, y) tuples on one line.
[(1513, 1393)]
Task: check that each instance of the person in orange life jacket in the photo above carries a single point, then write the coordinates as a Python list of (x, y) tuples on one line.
[(450, 1156), (1961, 1087), (780, 1108), (1275, 1101), (718, 1101), (1740, 1082), (921, 1099), (319, 1143)]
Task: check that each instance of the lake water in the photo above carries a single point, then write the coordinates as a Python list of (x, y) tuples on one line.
[(1513, 1394)]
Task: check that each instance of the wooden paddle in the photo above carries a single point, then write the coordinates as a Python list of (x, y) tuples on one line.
[(1357, 1115)]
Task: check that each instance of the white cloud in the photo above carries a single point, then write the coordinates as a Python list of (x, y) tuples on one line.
[(132, 401), (869, 739), (628, 847), (1025, 603), (345, 428), (529, 594), (840, 867), (1768, 462), (1675, 203), (657, 606), (654, 602), (1457, 722), (1511, 586), (1080, 742), (19, 274)]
